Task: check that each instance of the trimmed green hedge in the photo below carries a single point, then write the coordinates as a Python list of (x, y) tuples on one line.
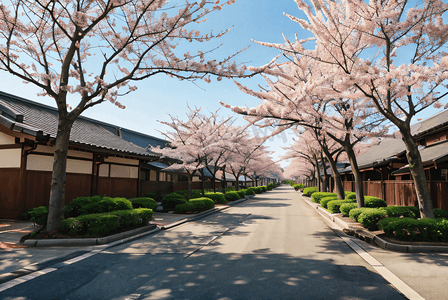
[(409, 229), (194, 194), (350, 195), (232, 196), (374, 202), (241, 193), (440, 213), (143, 202), (249, 192), (172, 199), (153, 196), (309, 191), (270, 186), (38, 215), (370, 217), (197, 204), (324, 201), (106, 204), (402, 211), (317, 196), (347, 207), (73, 209), (334, 205), (217, 197), (106, 223)]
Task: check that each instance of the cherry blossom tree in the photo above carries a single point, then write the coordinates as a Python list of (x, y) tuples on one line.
[(304, 95), (196, 143), (390, 51), (246, 156), (91, 52)]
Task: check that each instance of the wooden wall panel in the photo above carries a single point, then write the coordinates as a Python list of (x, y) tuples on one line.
[(9, 194), (161, 188), (38, 187), (117, 187)]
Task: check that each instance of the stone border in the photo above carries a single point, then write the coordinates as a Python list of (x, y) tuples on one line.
[(371, 237), (90, 241)]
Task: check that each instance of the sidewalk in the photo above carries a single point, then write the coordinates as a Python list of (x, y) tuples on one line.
[(19, 259), (353, 228)]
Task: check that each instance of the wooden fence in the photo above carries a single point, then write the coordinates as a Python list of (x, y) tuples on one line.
[(402, 193)]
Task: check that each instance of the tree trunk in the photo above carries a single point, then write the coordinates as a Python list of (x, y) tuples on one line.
[(202, 182), (57, 190), (225, 180), (337, 177), (418, 175), (325, 181), (237, 187), (359, 189)]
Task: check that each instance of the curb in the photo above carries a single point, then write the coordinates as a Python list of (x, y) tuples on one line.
[(372, 238), (91, 241)]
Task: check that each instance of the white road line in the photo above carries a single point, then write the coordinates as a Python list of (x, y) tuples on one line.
[(383, 271)]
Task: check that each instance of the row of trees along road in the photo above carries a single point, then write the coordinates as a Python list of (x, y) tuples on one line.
[(95, 50), (368, 62), (206, 141)]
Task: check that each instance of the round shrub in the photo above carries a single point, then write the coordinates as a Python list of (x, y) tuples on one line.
[(73, 209), (232, 196), (38, 215), (144, 202), (440, 213), (241, 193), (194, 194), (324, 201), (309, 191), (217, 197), (350, 195), (106, 204), (317, 196), (409, 229), (249, 192), (370, 217), (401, 211), (153, 196), (347, 207), (197, 204), (374, 202), (171, 200), (333, 206)]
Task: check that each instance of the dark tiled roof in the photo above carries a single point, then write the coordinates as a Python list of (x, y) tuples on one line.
[(386, 150), (431, 123), (437, 152), (85, 131)]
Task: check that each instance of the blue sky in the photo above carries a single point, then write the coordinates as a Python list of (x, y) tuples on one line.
[(261, 20)]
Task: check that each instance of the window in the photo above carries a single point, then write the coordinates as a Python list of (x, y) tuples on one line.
[(153, 175), (162, 176), (444, 174)]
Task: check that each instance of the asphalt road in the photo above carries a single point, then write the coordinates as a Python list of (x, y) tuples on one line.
[(272, 247)]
